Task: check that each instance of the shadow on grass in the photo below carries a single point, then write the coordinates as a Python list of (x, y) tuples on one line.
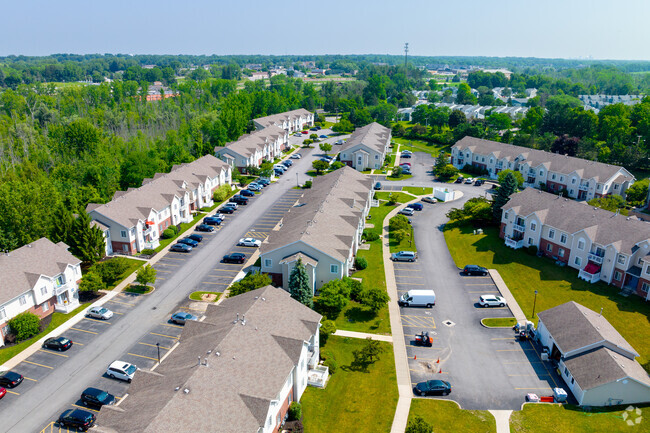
[(361, 314)]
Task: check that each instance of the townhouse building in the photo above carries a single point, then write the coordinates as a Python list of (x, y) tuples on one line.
[(136, 218), (256, 354), (579, 178), (290, 121), (254, 148), (367, 147), (41, 277), (323, 229), (601, 245)]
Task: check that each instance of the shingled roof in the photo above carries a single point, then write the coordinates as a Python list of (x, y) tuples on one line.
[(327, 215), (247, 144), (603, 227), (552, 161), (247, 365), (277, 119), (374, 136), (21, 268)]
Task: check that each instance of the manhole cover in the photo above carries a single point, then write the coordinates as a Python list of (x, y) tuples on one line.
[(448, 323)]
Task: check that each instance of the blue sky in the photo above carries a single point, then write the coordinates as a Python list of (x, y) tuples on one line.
[(522, 28)]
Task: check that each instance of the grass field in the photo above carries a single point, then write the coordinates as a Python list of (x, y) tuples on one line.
[(420, 146), (555, 285), (399, 196), (417, 190), (139, 289), (353, 401), (196, 296), (499, 322), (134, 264), (447, 417)]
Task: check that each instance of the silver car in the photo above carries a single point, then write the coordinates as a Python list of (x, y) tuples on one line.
[(404, 256), (99, 313)]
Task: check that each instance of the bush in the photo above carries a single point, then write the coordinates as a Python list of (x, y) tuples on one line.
[(111, 270), (392, 199), (532, 250), (307, 142), (331, 364), (307, 184), (375, 298), (148, 252), (249, 282), (25, 325), (295, 411), (91, 282), (397, 172), (221, 193), (169, 233), (369, 235), (356, 288), (327, 328), (360, 263)]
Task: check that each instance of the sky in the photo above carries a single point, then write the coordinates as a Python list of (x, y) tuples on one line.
[(521, 28)]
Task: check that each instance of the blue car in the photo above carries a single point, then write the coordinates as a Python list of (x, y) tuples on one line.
[(323, 136), (181, 248), (247, 193), (415, 206), (188, 241), (212, 221)]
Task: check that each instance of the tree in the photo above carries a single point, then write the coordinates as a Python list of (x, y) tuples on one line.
[(87, 242), (477, 209), (92, 282), (636, 194), (325, 147), (375, 298), (499, 121), (146, 275), (62, 230), (320, 166), (25, 325), (565, 145), (611, 203), (368, 354), (111, 270), (398, 222), (464, 95), (327, 328), (507, 188), (250, 282), (418, 425), (299, 285), (456, 117), (518, 177), (333, 296)]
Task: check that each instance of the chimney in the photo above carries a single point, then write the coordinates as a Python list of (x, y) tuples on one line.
[(601, 312), (237, 319), (243, 320)]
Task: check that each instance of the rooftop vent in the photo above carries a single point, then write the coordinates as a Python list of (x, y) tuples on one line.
[(237, 319), (186, 390)]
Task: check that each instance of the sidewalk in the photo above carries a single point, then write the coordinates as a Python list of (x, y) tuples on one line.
[(505, 292), (502, 418), (364, 335)]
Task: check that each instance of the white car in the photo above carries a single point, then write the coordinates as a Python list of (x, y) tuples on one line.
[(249, 242), (408, 152), (220, 216), (407, 211), (99, 313), (296, 156), (121, 370), (492, 301), (340, 142)]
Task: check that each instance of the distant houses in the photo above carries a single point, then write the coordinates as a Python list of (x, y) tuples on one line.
[(252, 149), (367, 147), (290, 121)]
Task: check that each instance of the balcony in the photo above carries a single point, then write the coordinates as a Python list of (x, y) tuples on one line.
[(67, 306), (512, 243), (592, 278), (583, 187), (519, 228), (62, 288), (595, 258), (318, 376)]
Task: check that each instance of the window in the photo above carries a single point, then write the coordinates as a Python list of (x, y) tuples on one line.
[(560, 252), (617, 276), (376, 156), (647, 270), (553, 177), (344, 155), (644, 287), (60, 280), (123, 233), (581, 245), (530, 241), (505, 215), (572, 381), (268, 263), (563, 238), (541, 172), (551, 234), (578, 261), (533, 226), (45, 306), (599, 186), (5, 331), (573, 180), (22, 300), (2, 313), (561, 178), (334, 269), (615, 186), (43, 290), (482, 159), (620, 259), (639, 262), (566, 371), (549, 248)]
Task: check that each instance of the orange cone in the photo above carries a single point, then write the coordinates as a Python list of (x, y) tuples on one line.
[(415, 357), (438, 361)]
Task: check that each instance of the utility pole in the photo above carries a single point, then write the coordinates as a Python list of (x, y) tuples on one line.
[(406, 53)]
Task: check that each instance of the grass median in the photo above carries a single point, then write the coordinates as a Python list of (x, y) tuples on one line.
[(447, 417)]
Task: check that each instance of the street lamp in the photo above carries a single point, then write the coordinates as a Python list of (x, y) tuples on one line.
[(297, 184), (534, 303)]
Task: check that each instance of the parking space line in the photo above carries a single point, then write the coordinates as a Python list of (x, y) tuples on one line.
[(407, 276), (411, 284), (513, 350), (29, 378), (153, 345), (164, 272), (227, 264), (418, 321), (53, 353), (484, 291), (142, 356), (120, 302), (407, 269), (84, 407), (171, 326), (95, 320), (523, 362), (163, 335), (547, 388), (544, 365), (226, 270), (78, 344), (160, 278), (40, 365), (115, 312), (83, 330), (13, 392), (504, 338), (521, 375), (480, 284), (215, 283), (166, 264)]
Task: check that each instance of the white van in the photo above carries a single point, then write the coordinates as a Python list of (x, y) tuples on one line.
[(418, 298)]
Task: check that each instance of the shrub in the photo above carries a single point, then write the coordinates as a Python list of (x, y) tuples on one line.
[(111, 270), (295, 411), (91, 282), (331, 364), (307, 184), (392, 199), (307, 142), (168, 233), (148, 252), (327, 328), (397, 172), (532, 250), (360, 263), (221, 193), (370, 235), (356, 288), (25, 325), (249, 282), (375, 298)]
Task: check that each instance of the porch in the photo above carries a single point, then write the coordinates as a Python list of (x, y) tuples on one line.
[(590, 273), (513, 243)]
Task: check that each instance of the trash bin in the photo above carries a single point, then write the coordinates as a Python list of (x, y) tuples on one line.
[(560, 395)]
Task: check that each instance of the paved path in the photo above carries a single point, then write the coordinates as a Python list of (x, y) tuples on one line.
[(503, 420), (352, 334), (505, 292)]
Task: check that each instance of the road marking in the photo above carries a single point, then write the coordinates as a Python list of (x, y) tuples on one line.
[(40, 365), (523, 362), (484, 291), (163, 335), (513, 350), (216, 283), (520, 375), (504, 338), (141, 356), (153, 345), (480, 284), (13, 392), (544, 365), (29, 378), (227, 264), (120, 302), (84, 407), (167, 264), (164, 272), (53, 353), (547, 388), (98, 321), (171, 326), (78, 344), (411, 284), (407, 276), (173, 258), (418, 321), (83, 330), (226, 270)]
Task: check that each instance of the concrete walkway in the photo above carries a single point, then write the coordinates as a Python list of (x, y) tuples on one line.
[(505, 292), (503, 420), (364, 335)]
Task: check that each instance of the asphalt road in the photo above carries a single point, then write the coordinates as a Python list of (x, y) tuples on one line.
[(44, 399)]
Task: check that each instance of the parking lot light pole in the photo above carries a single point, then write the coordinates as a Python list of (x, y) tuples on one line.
[(297, 184), (158, 347), (534, 303)]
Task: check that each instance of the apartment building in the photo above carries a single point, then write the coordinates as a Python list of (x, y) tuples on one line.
[(256, 354), (136, 218), (254, 148), (580, 178), (323, 229), (290, 121), (41, 277), (601, 245), (367, 147)]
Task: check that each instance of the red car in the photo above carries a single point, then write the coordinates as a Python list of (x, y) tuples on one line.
[(305, 132), (2, 392)]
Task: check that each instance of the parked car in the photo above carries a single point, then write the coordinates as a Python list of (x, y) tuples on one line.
[(10, 379), (121, 370), (280, 167), (479, 182), (295, 156), (278, 172), (77, 419), (404, 256), (204, 228), (297, 134), (407, 151), (99, 313), (475, 270), (263, 181), (239, 199), (229, 204), (249, 242), (188, 241), (304, 132), (323, 136), (429, 199), (405, 155), (492, 301), (432, 387), (247, 193), (57, 343), (181, 317), (254, 187), (212, 221), (469, 181), (195, 237), (93, 397), (407, 211), (416, 206), (377, 186), (313, 129), (3, 392), (406, 171), (287, 163), (234, 258), (340, 142), (318, 128), (228, 209), (405, 164), (418, 298), (180, 248)]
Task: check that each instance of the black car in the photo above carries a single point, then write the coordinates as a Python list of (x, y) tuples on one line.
[(213, 221), (246, 193), (432, 387), (263, 182), (406, 171), (227, 209), (278, 172), (377, 186), (11, 379), (459, 180), (416, 206), (93, 397), (239, 199), (234, 258), (204, 228), (188, 241), (181, 248), (479, 182), (77, 419), (57, 343), (195, 237), (475, 270), (287, 163), (405, 155)]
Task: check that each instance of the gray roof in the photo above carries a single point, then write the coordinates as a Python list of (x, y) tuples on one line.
[(602, 226), (328, 215), (373, 136), (233, 392), (302, 257), (277, 119), (127, 207), (21, 268), (600, 366), (247, 144), (552, 161), (574, 326)]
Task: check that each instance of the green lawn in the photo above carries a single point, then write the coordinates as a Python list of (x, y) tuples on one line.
[(399, 196), (420, 146), (353, 401), (499, 322), (447, 417), (184, 228), (401, 177), (545, 418), (555, 285), (139, 289), (57, 319), (417, 190), (407, 244), (196, 296), (134, 264)]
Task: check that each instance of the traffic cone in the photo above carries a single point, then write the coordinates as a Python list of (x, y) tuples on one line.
[(415, 357), (438, 361)]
